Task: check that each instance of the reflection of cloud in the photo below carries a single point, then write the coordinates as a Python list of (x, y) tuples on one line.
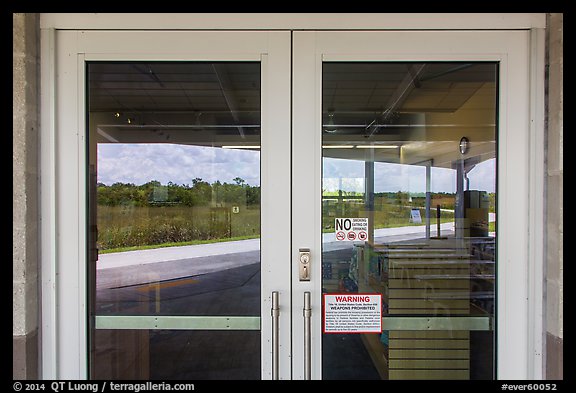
[(399, 177), (443, 180), (140, 163), (483, 176), (343, 183), (390, 177)]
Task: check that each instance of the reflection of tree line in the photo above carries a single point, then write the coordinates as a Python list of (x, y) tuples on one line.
[(200, 193), (149, 214)]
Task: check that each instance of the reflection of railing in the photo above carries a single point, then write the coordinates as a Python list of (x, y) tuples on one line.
[(171, 322)]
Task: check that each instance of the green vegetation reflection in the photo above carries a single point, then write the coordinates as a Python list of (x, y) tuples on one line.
[(139, 216)]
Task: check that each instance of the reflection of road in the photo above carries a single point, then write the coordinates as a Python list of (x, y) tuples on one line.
[(142, 257), (162, 270), (142, 266)]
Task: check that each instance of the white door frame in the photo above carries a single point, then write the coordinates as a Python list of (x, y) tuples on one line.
[(64, 305), (517, 254), (62, 246)]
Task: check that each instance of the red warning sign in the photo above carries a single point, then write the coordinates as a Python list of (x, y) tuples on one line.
[(352, 313), (351, 235), (340, 236), (362, 236)]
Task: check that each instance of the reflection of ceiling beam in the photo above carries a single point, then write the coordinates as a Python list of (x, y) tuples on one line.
[(160, 120), (150, 73), (397, 98), (106, 135), (201, 138), (441, 153), (226, 87)]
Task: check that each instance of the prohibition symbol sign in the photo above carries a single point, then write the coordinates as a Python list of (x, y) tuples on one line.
[(351, 229)]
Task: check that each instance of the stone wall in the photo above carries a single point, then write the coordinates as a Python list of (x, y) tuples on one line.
[(554, 199), (25, 134)]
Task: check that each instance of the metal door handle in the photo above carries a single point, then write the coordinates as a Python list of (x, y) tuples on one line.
[(304, 258), (307, 348), (275, 311)]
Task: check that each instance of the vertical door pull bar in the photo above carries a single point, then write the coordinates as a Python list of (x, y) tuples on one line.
[(307, 347), (275, 311)]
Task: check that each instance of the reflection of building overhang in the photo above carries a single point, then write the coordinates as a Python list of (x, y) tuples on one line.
[(422, 137), (410, 113)]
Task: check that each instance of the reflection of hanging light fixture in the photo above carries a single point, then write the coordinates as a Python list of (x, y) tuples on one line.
[(464, 145), (117, 114), (129, 120), (330, 127)]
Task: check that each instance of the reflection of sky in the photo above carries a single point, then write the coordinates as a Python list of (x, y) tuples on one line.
[(348, 175), (141, 163)]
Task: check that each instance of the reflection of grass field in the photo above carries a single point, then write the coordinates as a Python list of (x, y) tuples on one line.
[(134, 226), (125, 228), (385, 215)]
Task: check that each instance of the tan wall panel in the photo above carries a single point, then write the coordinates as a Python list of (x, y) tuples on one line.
[(427, 344), (429, 364), (433, 284), (420, 293), (428, 354), (429, 374), (446, 334), (429, 304)]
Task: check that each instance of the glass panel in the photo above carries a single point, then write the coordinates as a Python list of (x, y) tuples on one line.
[(410, 150), (174, 220), (176, 354)]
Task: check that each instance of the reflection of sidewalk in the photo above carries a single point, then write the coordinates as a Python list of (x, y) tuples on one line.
[(142, 257), (142, 266), (163, 270), (329, 242), (385, 232), (169, 263)]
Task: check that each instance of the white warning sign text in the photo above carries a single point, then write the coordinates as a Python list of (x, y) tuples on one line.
[(352, 313)]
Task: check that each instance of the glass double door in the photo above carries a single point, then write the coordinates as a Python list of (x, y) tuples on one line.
[(188, 162), (293, 205)]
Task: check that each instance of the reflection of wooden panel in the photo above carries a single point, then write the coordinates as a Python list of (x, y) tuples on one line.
[(428, 304), (428, 292), (425, 343), (432, 284), (429, 282), (406, 273), (432, 364), (429, 355), (444, 334), (429, 374)]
